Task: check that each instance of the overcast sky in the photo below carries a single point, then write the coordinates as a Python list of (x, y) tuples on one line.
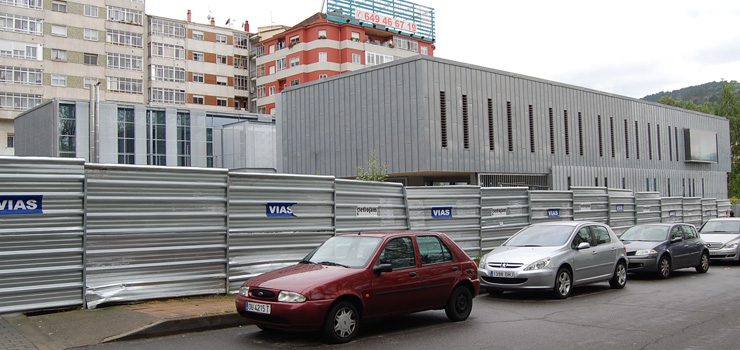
[(627, 47)]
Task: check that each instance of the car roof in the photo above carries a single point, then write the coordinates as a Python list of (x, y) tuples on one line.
[(723, 219), (567, 223), (390, 233)]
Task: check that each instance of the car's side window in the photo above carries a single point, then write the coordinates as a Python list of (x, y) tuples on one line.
[(432, 250), (688, 232), (399, 252), (676, 232), (583, 235), (602, 234)]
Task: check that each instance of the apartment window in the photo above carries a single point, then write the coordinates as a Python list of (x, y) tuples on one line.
[(322, 57), (241, 82), (552, 130), (90, 11), (637, 141), (509, 127), (355, 36), (90, 34), (209, 147), (156, 136), (580, 134), (67, 129), (241, 62), (650, 142), (466, 123), (323, 76), (168, 51), (242, 42), (20, 75), (443, 117), (198, 100), (183, 139), (31, 4), (58, 30), (566, 129), (424, 50), (406, 44), (675, 140), (611, 135), (18, 101), (271, 70), (294, 61), (670, 145), (126, 85), (167, 73), (124, 61), (626, 140), (223, 81), (126, 136), (15, 49), (58, 80), (221, 59), (657, 139), (295, 40), (90, 59), (125, 15), (197, 35), (295, 82), (372, 59), (322, 34), (21, 24), (261, 91), (356, 58), (118, 37), (168, 96), (531, 128), (271, 49), (163, 27), (88, 82), (198, 56), (490, 125), (198, 77), (280, 64), (601, 141), (221, 102), (10, 143), (59, 6), (271, 91)]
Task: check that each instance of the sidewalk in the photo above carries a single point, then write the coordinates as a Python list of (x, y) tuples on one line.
[(67, 329)]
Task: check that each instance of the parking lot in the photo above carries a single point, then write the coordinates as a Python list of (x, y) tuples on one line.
[(687, 311)]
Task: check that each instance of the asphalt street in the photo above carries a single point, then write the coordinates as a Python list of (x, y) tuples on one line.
[(688, 311)]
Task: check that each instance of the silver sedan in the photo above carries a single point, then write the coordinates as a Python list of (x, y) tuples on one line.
[(555, 256)]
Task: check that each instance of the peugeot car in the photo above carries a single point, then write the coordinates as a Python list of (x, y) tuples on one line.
[(662, 248), (722, 236)]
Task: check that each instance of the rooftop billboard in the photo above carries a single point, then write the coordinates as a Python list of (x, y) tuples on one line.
[(395, 16)]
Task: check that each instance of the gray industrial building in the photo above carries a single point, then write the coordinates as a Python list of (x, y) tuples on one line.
[(139, 134), (434, 121)]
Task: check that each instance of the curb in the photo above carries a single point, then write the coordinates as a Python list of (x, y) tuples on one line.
[(179, 326)]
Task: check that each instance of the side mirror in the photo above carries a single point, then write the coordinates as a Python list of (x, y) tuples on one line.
[(583, 245), (676, 239), (379, 268)]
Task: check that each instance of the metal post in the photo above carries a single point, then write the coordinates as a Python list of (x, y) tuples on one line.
[(97, 123)]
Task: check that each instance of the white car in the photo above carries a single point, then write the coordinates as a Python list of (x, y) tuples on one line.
[(722, 236)]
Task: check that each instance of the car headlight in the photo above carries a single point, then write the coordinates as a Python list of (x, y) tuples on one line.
[(643, 252), (538, 265), (291, 297), (730, 245), (243, 291)]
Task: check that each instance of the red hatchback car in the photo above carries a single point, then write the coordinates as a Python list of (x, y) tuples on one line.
[(355, 277)]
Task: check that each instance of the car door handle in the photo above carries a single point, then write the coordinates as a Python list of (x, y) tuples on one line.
[(455, 268), (412, 274)]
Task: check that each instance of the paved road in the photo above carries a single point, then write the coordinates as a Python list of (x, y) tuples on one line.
[(689, 311), (10, 339)]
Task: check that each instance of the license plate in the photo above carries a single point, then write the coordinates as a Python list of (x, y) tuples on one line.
[(507, 274), (258, 308)]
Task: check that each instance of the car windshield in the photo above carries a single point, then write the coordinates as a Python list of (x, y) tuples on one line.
[(346, 251), (721, 226), (541, 236), (645, 233)]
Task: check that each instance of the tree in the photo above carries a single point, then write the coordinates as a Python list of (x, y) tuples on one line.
[(374, 171)]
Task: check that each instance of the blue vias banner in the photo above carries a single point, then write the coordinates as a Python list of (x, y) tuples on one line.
[(279, 210), (21, 204), (553, 213), (441, 212)]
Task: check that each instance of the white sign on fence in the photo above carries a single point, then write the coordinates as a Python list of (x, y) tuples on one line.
[(499, 211), (367, 211)]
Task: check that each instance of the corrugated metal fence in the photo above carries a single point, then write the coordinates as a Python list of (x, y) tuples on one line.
[(622, 209), (370, 206), (648, 207), (550, 206), (590, 204), (504, 211)]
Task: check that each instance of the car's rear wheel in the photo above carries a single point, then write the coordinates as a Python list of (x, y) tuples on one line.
[(619, 280), (563, 283), (703, 266), (664, 267), (460, 304), (342, 323)]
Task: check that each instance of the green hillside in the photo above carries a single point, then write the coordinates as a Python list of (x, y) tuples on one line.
[(699, 94)]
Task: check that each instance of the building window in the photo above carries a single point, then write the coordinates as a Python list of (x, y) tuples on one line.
[(567, 134), (221, 59), (198, 100), (18, 101), (372, 59), (272, 70), (198, 56), (322, 33), (466, 122), (650, 142), (261, 91), (15, 49), (168, 51), (491, 144), (67, 130), (241, 62), (91, 11), (241, 82), (197, 35), (637, 141), (222, 102), (295, 82), (241, 41), (580, 134), (58, 80), (209, 147), (90, 34), (626, 140), (21, 24), (531, 129), (443, 118), (126, 85), (509, 127), (280, 64), (125, 15), (31, 4), (10, 143), (670, 145), (124, 61), (355, 36), (59, 6), (90, 59), (295, 40), (424, 50), (198, 77), (126, 136), (601, 141), (20, 75), (322, 57), (406, 44), (356, 58), (611, 135), (323, 76), (167, 73), (295, 61), (183, 139), (551, 120), (58, 55), (118, 37), (271, 49), (156, 136), (223, 81), (168, 96), (164, 27), (58, 30), (271, 91)]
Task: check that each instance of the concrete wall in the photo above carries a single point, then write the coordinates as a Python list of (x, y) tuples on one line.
[(249, 145), (36, 133)]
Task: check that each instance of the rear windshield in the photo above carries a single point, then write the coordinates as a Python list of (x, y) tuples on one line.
[(541, 236), (721, 226), (645, 233)]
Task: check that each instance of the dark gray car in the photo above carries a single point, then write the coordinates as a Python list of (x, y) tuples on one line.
[(662, 248)]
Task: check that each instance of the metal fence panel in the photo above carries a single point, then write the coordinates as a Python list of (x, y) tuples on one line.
[(590, 204), (454, 210), (369, 206), (708, 209), (41, 249), (647, 208), (692, 213), (671, 209), (550, 206), (154, 232), (723, 208), (275, 220), (504, 211), (622, 209)]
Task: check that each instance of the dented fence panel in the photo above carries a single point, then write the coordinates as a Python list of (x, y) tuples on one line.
[(370, 206), (671, 209), (590, 204), (550, 206), (723, 208), (692, 213), (708, 209), (647, 207), (622, 209), (504, 211)]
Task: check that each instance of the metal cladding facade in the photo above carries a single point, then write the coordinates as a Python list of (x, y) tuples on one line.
[(424, 115)]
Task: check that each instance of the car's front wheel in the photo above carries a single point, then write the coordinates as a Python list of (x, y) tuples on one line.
[(664, 267), (342, 323), (619, 280), (563, 283), (460, 304), (703, 266)]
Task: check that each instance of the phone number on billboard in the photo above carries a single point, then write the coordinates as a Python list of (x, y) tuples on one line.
[(387, 21)]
